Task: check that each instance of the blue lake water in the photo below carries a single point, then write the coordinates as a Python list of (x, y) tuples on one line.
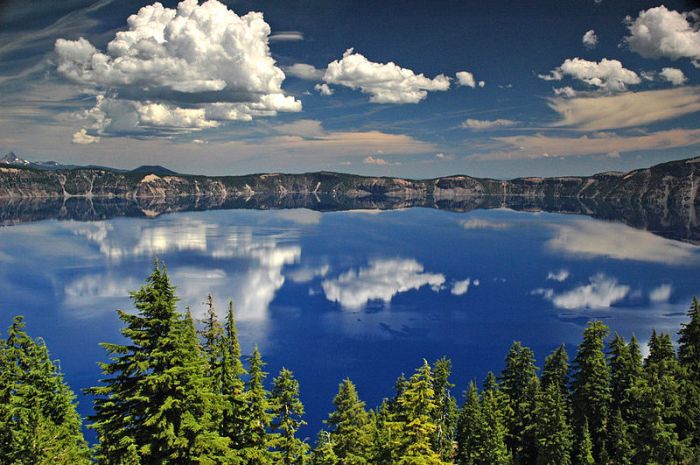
[(363, 294)]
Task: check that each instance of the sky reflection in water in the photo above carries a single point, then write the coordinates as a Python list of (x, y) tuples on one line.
[(359, 294)]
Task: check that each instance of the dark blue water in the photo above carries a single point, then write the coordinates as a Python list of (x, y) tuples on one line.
[(364, 294)]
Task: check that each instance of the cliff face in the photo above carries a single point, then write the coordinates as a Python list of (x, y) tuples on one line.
[(672, 185)]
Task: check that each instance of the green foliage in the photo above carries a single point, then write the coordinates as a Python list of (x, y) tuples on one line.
[(584, 454), (256, 449), (552, 428), (445, 413), (39, 424), (591, 387), (517, 384), (556, 371), (350, 428), (156, 404), (288, 412)]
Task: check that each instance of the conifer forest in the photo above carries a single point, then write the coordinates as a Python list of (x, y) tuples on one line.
[(181, 392)]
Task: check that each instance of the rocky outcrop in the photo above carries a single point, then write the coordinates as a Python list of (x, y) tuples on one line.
[(672, 185)]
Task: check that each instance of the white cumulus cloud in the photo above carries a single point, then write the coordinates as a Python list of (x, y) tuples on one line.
[(606, 75), (82, 137), (381, 280), (590, 39), (323, 89), (662, 33), (601, 292), (185, 68), (304, 71), (673, 75), (384, 82)]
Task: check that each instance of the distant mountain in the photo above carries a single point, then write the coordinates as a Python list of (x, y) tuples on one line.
[(12, 159), (154, 169)]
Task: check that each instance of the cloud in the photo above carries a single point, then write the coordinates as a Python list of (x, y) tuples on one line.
[(559, 276), (187, 68), (590, 39), (477, 223), (539, 145), (663, 33), (82, 137), (466, 79), (673, 75), (303, 128), (588, 239), (460, 287), (370, 160), (485, 124), (384, 82), (287, 36), (606, 75), (566, 91), (323, 89), (595, 113), (601, 292), (381, 280), (661, 293), (304, 71)]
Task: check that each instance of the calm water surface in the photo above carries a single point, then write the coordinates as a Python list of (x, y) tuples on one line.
[(359, 294)]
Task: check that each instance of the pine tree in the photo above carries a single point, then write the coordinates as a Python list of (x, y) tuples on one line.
[(38, 419), (349, 426), (591, 387), (556, 371), (212, 333), (235, 422), (469, 428), (417, 403), (155, 404), (445, 414), (490, 382), (516, 384), (323, 453), (493, 448), (288, 412), (584, 455), (552, 427), (657, 404), (689, 357), (620, 446), (256, 451)]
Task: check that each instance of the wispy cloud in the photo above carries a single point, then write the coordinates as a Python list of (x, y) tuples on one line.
[(601, 292)]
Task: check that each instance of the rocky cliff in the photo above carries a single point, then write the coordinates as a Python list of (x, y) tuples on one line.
[(674, 184)]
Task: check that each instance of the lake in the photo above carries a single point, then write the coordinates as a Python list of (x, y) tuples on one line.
[(365, 294)]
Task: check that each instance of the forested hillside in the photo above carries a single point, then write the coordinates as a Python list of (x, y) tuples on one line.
[(180, 391)]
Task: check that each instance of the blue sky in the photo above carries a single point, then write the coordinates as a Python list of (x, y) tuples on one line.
[(406, 88)]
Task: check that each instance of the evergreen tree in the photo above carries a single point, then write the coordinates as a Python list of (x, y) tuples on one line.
[(323, 453), (657, 404), (556, 371), (591, 387), (417, 403), (625, 368), (212, 334), (445, 414), (288, 412), (584, 455), (516, 384), (155, 404), (39, 424), (620, 446), (256, 451), (689, 357), (349, 426), (481, 431), (236, 421), (490, 382), (552, 427), (469, 428)]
